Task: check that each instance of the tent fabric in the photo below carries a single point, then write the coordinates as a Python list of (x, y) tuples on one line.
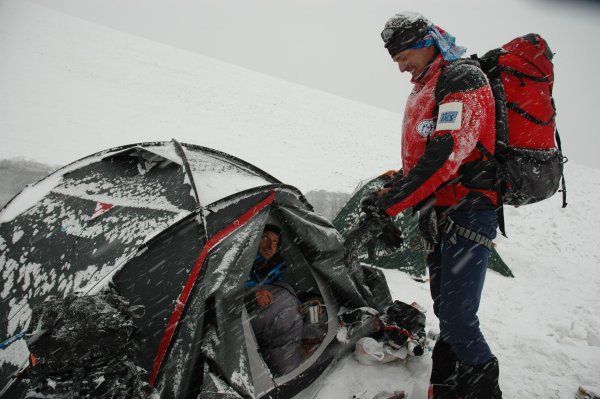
[(214, 322), (320, 245), (175, 228), (51, 245)]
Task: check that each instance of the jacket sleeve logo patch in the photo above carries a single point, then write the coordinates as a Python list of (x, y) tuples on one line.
[(449, 116), (425, 127)]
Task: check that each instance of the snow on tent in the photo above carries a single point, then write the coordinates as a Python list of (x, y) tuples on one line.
[(175, 228)]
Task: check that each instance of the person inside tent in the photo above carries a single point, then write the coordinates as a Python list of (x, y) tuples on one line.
[(273, 304)]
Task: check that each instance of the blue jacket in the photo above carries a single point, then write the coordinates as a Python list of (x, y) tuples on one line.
[(273, 271)]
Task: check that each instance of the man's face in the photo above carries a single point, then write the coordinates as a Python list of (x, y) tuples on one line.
[(414, 61), (268, 244)]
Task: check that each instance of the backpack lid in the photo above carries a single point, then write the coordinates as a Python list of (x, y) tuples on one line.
[(535, 50)]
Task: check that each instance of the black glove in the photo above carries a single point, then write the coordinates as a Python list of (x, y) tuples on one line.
[(374, 224), (391, 236), (368, 201), (360, 235), (428, 225)]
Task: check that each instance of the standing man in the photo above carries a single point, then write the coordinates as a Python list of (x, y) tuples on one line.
[(448, 137)]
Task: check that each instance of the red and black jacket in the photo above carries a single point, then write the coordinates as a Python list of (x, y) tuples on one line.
[(450, 110)]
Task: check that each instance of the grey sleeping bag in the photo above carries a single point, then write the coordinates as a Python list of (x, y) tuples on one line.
[(278, 329)]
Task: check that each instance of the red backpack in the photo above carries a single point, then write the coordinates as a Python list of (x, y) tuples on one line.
[(527, 165), (528, 151)]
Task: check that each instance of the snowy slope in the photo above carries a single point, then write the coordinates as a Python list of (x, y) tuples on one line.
[(16, 173), (69, 88)]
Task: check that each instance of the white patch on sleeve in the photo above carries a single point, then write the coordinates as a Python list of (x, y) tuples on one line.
[(449, 116)]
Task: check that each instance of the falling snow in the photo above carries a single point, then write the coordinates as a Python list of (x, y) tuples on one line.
[(543, 325)]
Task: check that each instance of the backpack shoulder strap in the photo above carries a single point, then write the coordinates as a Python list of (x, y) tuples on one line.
[(461, 75)]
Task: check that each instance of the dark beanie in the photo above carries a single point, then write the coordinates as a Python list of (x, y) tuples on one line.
[(272, 228), (409, 28)]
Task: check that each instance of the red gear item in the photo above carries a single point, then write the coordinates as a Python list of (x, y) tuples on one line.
[(533, 96), (433, 149)]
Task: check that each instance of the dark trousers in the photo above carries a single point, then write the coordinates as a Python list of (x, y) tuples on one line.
[(457, 272)]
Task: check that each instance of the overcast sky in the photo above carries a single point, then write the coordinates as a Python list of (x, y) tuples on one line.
[(334, 45)]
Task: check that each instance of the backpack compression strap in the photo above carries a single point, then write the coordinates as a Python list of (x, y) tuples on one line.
[(528, 116), (562, 174)]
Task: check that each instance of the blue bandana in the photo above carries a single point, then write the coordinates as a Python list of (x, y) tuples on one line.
[(444, 41)]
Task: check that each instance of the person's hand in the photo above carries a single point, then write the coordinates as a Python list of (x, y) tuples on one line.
[(391, 235), (368, 200), (382, 192), (389, 174), (368, 204), (263, 298)]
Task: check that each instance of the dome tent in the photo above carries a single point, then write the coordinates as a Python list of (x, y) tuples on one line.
[(174, 227)]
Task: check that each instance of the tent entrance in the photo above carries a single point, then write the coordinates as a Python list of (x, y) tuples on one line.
[(308, 286), (261, 375)]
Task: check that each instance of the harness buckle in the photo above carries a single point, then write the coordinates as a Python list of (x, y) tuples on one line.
[(448, 226), (452, 238), (427, 245)]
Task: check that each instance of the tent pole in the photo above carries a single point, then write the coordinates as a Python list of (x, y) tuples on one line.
[(188, 171)]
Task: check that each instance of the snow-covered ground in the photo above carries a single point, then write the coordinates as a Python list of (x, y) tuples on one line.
[(69, 88)]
